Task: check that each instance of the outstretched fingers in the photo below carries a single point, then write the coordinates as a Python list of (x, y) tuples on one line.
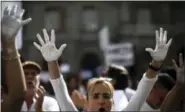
[(9, 10), (6, 11), (157, 37), (165, 37), (40, 39), (181, 64), (26, 21), (14, 10), (169, 42), (150, 50), (46, 36), (37, 45), (62, 47), (175, 64), (161, 36), (53, 36)]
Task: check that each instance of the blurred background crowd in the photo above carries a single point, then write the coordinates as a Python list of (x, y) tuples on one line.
[(99, 33)]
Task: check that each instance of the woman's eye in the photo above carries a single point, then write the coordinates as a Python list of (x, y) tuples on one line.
[(95, 97), (106, 96)]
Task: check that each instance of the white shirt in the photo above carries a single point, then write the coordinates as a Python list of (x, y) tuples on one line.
[(49, 104), (147, 108), (129, 93), (143, 90), (120, 100), (135, 104), (122, 97)]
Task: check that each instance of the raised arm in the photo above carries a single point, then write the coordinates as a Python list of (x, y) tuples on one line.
[(10, 24), (149, 78), (172, 101), (51, 55)]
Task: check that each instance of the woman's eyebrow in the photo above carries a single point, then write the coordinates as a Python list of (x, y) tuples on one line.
[(106, 93), (96, 94)]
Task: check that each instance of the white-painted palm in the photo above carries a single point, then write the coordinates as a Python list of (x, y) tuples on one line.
[(162, 46), (48, 48), (12, 21)]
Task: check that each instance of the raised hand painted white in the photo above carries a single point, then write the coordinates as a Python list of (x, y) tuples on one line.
[(161, 48), (12, 22), (4, 4), (48, 48)]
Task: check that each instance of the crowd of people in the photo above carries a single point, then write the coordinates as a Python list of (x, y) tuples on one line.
[(158, 90)]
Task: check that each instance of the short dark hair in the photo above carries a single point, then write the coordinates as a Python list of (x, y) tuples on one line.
[(165, 80), (170, 71), (120, 75)]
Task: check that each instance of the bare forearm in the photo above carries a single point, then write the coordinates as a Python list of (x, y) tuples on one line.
[(151, 73), (10, 105), (172, 100), (54, 70), (14, 71)]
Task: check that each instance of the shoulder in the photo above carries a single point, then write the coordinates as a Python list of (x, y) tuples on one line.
[(49, 99), (130, 91), (50, 104)]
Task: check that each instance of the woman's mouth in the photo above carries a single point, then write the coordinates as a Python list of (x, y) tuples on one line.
[(30, 84), (102, 110)]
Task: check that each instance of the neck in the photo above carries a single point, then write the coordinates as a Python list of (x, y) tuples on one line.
[(29, 100)]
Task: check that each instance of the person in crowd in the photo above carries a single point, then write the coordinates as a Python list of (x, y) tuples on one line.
[(19, 89), (120, 81), (32, 77), (11, 23), (175, 100), (122, 93), (75, 90), (161, 88), (73, 82), (100, 91)]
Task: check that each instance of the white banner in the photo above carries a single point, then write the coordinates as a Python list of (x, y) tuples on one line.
[(19, 34), (121, 54)]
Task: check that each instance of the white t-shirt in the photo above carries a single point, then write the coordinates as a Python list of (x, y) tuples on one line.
[(49, 104), (120, 100), (129, 93), (122, 97)]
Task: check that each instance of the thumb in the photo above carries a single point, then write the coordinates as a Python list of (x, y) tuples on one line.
[(150, 50), (62, 47), (26, 21)]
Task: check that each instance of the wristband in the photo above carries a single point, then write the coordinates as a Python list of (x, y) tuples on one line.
[(11, 58), (154, 68)]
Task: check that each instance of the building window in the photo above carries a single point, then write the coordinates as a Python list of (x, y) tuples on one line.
[(89, 19), (54, 19), (144, 25)]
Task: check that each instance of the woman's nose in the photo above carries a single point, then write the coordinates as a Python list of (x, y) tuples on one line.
[(101, 101), (29, 75)]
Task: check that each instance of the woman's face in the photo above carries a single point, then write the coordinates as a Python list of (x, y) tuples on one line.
[(100, 98)]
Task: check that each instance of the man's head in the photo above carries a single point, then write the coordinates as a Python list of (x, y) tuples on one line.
[(163, 85), (99, 95), (119, 74), (31, 72)]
